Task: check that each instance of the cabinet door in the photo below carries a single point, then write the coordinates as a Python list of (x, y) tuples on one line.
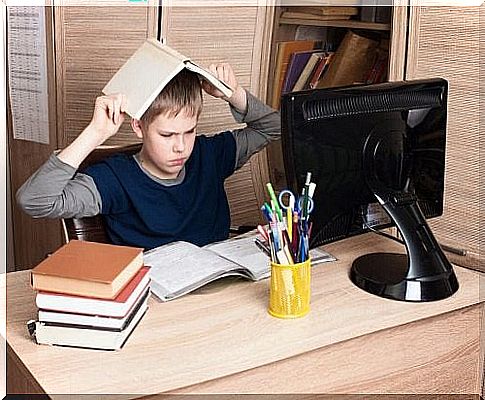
[(240, 36), (445, 42)]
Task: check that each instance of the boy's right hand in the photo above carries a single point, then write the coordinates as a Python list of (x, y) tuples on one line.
[(108, 115)]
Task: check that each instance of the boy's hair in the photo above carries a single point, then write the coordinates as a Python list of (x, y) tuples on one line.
[(182, 93)]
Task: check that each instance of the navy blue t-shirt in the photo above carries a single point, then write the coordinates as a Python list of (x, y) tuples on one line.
[(142, 212)]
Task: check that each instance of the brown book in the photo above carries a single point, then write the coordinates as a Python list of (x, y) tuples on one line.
[(284, 52), (88, 269), (351, 62)]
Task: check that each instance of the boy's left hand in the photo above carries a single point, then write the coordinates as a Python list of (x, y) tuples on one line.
[(225, 73)]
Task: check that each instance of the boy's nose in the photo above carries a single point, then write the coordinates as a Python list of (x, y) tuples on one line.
[(179, 145)]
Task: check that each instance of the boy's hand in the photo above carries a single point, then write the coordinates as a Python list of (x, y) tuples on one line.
[(225, 73), (108, 115)]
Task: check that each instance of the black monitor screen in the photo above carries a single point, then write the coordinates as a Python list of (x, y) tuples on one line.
[(365, 141)]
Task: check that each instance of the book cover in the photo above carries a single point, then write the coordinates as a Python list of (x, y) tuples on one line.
[(88, 269), (116, 308), (351, 62), (284, 51), (93, 321), (180, 267), (307, 71), (296, 65), (92, 338), (320, 70), (147, 72)]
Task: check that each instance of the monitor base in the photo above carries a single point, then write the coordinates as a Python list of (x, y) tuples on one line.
[(385, 275)]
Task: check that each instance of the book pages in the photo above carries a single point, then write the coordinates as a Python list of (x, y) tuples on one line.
[(180, 267), (243, 251)]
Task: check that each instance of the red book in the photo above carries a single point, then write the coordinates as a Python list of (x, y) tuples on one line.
[(117, 307)]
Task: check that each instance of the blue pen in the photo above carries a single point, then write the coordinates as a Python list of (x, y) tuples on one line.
[(268, 209), (266, 214)]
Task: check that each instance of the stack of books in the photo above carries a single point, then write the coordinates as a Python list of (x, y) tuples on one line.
[(90, 295)]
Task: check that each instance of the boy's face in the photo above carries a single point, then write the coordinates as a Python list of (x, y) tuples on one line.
[(167, 144)]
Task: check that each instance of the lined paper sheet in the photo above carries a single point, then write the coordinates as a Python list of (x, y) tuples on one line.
[(27, 68)]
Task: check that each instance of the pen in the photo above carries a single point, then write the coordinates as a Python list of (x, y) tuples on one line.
[(263, 233), (272, 247), (289, 215), (268, 210), (273, 198), (306, 190), (312, 188), (263, 247)]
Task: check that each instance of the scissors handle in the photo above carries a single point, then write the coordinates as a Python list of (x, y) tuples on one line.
[(310, 204), (291, 199)]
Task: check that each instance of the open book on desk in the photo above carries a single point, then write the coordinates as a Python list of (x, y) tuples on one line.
[(181, 267)]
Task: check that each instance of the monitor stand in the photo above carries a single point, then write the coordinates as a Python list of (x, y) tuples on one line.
[(424, 274)]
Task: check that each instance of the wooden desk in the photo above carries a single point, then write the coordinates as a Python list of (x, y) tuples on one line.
[(222, 340)]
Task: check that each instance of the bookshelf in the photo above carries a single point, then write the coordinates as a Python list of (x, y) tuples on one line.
[(331, 26)]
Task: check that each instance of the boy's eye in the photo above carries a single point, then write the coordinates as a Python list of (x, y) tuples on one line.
[(167, 135)]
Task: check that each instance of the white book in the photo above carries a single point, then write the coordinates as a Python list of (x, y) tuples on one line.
[(93, 338), (95, 321), (181, 267), (148, 71), (117, 307)]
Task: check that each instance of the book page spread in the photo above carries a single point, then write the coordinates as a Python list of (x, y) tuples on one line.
[(180, 267), (244, 252)]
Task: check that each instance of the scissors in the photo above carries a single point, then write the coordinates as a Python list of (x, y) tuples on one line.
[(293, 200)]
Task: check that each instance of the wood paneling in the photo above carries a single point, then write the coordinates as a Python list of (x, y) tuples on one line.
[(240, 36), (445, 42), (398, 40), (91, 45)]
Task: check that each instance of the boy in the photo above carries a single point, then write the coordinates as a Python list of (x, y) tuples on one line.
[(174, 188)]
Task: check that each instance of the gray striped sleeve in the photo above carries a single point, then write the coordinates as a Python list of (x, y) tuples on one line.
[(263, 125), (57, 190)]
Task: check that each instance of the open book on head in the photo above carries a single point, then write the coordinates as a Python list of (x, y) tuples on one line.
[(181, 267), (148, 71)]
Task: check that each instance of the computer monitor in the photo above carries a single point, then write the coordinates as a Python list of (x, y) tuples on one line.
[(377, 155)]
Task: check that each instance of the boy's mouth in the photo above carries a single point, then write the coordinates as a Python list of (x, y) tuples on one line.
[(177, 162)]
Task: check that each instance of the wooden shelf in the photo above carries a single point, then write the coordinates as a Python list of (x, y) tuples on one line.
[(336, 23)]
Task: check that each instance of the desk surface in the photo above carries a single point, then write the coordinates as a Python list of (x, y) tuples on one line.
[(226, 330)]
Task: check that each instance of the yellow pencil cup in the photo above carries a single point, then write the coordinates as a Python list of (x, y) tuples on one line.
[(289, 292)]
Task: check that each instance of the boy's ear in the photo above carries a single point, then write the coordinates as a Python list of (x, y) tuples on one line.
[(136, 126)]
